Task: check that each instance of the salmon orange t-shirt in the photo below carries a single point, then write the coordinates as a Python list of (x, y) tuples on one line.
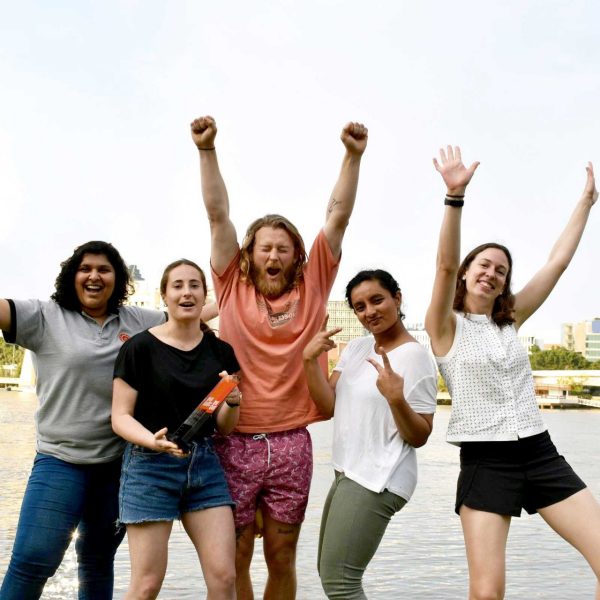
[(268, 337)]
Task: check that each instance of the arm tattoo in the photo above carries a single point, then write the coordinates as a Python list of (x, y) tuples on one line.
[(332, 203)]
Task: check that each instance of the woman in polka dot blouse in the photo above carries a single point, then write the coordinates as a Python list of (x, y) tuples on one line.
[(508, 461)]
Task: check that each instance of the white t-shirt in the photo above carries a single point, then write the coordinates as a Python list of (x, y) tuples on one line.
[(367, 446), (488, 375)]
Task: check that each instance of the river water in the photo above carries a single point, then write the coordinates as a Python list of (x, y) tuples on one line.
[(421, 556)]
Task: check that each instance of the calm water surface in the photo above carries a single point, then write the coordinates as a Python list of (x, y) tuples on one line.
[(421, 556)]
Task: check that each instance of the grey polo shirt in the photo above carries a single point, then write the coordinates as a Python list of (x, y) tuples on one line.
[(74, 359)]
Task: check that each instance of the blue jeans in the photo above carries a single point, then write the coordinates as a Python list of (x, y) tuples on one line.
[(60, 498)]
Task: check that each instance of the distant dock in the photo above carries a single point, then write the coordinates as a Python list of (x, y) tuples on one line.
[(547, 402), (10, 383), (552, 402)]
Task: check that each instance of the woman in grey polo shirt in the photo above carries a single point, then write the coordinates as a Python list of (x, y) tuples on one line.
[(75, 338), (508, 461)]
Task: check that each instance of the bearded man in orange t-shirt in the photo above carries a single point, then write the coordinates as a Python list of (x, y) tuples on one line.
[(272, 301)]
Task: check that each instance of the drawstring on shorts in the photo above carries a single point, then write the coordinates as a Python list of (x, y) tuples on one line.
[(263, 436)]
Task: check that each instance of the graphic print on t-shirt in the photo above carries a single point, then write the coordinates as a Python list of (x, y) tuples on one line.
[(277, 319)]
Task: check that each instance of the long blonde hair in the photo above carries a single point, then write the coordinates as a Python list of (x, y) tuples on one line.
[(276, 222)]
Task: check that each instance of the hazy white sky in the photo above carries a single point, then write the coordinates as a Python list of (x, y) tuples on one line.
[(96, 100)]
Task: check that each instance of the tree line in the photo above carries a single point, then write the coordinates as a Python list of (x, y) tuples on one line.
[(10, 354), (555, 359), (559, 359)]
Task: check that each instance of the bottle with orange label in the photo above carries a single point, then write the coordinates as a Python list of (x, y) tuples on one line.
[(186, 432)]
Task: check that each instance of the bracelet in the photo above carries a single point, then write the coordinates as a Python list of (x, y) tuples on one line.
[(455, 196), (207, 149), (232, 404), (449, 201)]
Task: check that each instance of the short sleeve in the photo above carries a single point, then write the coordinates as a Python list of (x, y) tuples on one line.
[(146, 317), (345, 357), (341, 364), (420, 383), (322, 267), (28, 323), (224, 282), (227, 356), (128, 363)]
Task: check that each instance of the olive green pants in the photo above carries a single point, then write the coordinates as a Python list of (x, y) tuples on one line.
[(353, 523)]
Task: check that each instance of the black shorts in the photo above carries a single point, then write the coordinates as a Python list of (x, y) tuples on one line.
[(505, 477)]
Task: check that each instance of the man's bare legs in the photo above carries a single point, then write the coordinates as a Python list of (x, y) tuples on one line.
[(280, 541)]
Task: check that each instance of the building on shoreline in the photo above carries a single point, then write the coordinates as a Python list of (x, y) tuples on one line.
[(582, 337)]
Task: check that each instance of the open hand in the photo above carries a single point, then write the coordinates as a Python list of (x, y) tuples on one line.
[(590, 192), (455, 175), (162, 444)]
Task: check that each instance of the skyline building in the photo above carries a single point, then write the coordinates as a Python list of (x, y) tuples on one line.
[(582, 337)]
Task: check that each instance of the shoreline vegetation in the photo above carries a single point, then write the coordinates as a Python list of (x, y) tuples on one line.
[(545, 402)]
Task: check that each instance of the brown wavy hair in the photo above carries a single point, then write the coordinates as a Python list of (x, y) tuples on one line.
[(276, 222), (504, 306), (165, 279)]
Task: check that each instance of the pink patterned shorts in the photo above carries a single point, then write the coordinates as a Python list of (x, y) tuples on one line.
[(270, 469)]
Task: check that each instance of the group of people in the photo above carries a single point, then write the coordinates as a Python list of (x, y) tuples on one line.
[(113, 382)]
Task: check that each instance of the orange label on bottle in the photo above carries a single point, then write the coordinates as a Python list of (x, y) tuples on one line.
[(217, 395)]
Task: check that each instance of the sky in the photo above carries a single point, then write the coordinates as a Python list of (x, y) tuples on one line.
[(96, 100)]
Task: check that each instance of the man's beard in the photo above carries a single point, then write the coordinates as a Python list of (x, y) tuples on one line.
[(272, 288)]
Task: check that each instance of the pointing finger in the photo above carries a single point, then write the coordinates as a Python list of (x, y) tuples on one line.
[(385, 359), (377, 366), (324, 324), (333, 332)]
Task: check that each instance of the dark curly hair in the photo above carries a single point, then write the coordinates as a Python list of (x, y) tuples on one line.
[(504, 306), (65, 294), (384, 279)]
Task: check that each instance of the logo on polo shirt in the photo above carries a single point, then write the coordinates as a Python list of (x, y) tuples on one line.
[(124, 336)]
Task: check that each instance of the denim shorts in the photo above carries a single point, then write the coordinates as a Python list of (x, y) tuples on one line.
[(504, 477), (156, 486)]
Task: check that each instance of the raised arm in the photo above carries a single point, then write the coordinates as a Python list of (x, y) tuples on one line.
[(440, 321), (214, 193), (210, 311), (533, 295), (5, 321), (321, 391), (354, 137)]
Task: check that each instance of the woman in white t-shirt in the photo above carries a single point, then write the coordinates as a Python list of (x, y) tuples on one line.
[(382, 395), (508, 461)]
